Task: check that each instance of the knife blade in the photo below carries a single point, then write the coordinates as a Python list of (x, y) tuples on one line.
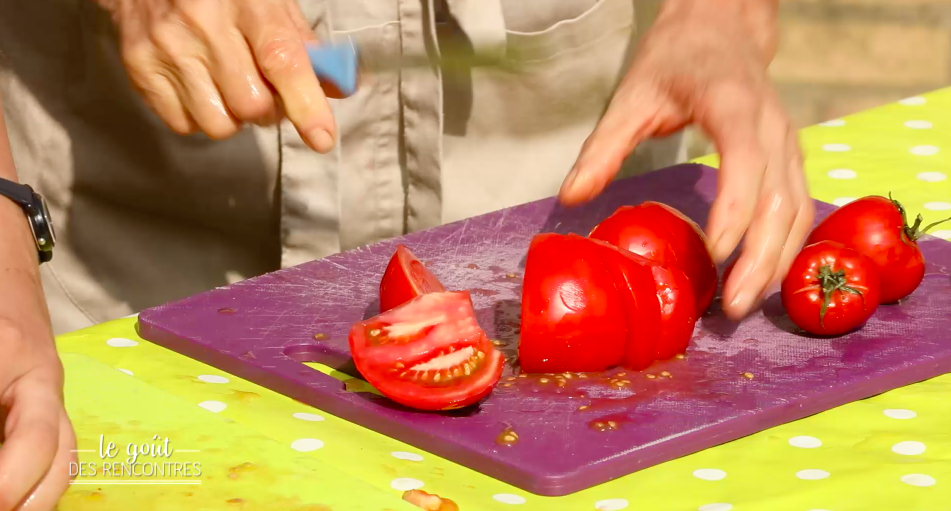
[(339, 66)]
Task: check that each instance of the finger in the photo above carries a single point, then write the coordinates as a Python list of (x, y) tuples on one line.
[(153, 81), (631, 116), (805, 208), (303, 27), (231, 65), (729, 113), (279, 50), (769, 228), (187, 60), (56, 481), (31, 439)]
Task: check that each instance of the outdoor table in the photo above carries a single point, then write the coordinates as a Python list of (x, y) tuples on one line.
[(259, 450)]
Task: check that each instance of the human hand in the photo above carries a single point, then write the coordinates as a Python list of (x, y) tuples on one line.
[(213, 65), (705, 63), (37, 437)]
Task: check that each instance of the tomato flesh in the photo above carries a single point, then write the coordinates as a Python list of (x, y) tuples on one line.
[(853, 299), (667, 236), (571, 317), (405, 278), (875, 227), (634, 281), (428, 353)]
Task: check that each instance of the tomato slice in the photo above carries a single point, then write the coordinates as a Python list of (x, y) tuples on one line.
[(405, 278), (572, 319), (668, 237), (678, 315), (428, 353), (830, 289), (634, 279)]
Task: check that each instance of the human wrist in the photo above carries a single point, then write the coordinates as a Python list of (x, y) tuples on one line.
[(758, 19)]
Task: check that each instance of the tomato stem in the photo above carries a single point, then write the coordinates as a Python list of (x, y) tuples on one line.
[(914, 231), (832, 281)]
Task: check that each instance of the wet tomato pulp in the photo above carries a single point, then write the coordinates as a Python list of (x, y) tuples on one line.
[(830, 289), (428, 353), (405, 278), (668, 237)]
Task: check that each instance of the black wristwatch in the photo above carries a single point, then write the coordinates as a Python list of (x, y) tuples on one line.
[(37, 213)]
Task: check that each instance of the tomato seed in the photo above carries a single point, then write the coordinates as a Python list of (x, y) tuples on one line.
[(512, 275), (543, 380), (320, 337), (681, 356), (583, 407), (666, 374), (621, 374), (510, 378), (651, 377), (748, 376)]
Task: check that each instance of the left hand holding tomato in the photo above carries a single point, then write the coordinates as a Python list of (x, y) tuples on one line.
[(705, 63)]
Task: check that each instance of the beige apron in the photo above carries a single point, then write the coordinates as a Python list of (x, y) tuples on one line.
[(145, 216)]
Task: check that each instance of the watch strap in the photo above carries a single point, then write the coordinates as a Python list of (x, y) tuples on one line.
[(21, 194)]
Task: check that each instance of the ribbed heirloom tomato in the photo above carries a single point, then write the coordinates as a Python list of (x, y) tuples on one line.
[(878, 228), (405, 278), (664, 235), (429, 353), (830, 289)]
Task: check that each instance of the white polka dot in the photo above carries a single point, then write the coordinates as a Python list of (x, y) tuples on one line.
[(406, 484), (611, 505), (938, 206), (898, 413), (834, 123), (805, 442), (918, 480), (213, 406), (918, 125), (841, 174), (308, 417), (508, 498), (210, 378), (932, 177), (842, 201), (836, 148), (943, 234), (312, 444), (709, 474), (913, 101), (924, 150), (121, 342), (126, 371), (721, 506), (408, 456), (812, 474), (909, 448)]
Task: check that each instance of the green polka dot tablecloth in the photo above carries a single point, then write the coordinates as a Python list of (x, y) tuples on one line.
[(249, 448)]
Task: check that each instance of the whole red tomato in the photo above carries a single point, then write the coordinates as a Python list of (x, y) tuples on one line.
[(405, 278), (572, 318), (634, 279), (830, 289), (428, 353), (877, 227), (668, 237)]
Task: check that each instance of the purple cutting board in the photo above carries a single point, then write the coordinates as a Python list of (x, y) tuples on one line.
[(263, 328)]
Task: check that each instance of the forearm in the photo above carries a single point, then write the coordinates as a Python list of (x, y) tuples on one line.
[(22, 297), (758, 18)]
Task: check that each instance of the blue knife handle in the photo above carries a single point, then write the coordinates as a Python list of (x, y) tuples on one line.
[(337, 68)]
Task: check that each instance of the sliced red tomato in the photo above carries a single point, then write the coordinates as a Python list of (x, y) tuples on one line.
[(678, 314), (634, 280), (429, 353), (572, 319), (405, 278), (667, 236), (830, 289), (878, 228)]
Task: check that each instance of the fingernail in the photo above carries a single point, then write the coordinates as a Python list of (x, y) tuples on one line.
[(320, 140)]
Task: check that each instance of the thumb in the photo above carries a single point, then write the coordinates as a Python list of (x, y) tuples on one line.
[(633, 115)]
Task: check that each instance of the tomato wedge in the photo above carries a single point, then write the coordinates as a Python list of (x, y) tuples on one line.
[(429, 353), (667, 236), (405, 278), (878, 228), (572, 319), (634, 281), (678, 315), (830, 289)]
